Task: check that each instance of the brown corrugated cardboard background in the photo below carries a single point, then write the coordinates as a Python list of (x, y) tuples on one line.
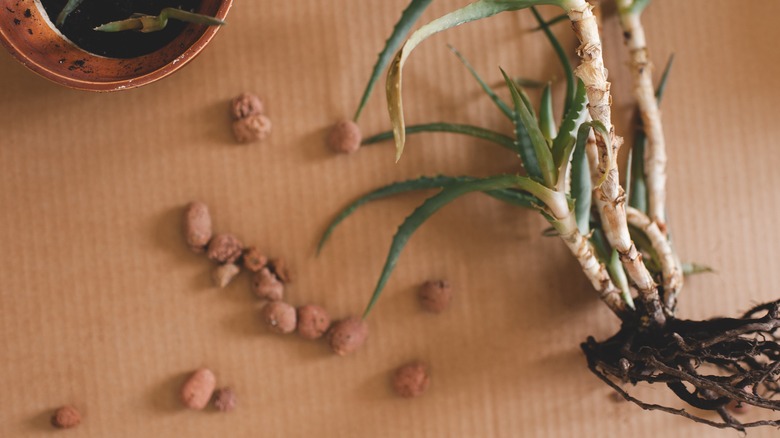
[(102, 305)]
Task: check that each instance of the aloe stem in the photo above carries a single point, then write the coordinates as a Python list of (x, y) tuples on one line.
[(609, 196), (644, 92)]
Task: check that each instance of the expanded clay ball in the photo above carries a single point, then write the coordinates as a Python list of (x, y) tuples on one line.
[(266, 286), (280, 317), (255, 127), (66, 417), (223, 274), (435, 295), (254, 260), (224, 399), (411, 380), (245, 105), (197, 226), (348, 335), (344, 137), (224, 248), (197, 390), (313, 321)]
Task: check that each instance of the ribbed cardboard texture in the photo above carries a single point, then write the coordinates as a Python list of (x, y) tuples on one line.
[(102, 305)]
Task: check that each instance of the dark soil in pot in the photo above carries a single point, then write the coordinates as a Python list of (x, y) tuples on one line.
[(128, 44)]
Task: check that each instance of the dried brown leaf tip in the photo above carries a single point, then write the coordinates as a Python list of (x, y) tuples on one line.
[(280, 317), (266, 286), (348, 335), (66, 417), (197, 226), (344, 137), (435, 295), (411, 380)]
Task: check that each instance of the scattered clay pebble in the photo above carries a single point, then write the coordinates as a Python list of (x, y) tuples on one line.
[(197, 226), (281, 270), (254, 260), (197, 390), (348, 335), (344, 137), (223, 274), (255, 127), (313, 321), (279, 316), (225, 399), (245, 105), (224, 248), (411, 380), (435, 295), (66, 417), (266, 286)]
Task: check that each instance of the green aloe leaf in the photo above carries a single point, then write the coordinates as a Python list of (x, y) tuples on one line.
[(537, 158), (638, 6), (409, 16), (695, 268), (611, 260), (565, 139), (546, 117), (69, 7), (635, 168), (581, 185), (455, 128), (562, 57), (154, 23), (472, 12), (448, 194), (552, 21), (485, 87)]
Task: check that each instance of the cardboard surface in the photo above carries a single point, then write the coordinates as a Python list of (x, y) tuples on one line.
[(102, 305)]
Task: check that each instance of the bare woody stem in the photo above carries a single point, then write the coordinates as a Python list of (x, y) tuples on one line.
[(610, 196), (655, 151), (670, 268)]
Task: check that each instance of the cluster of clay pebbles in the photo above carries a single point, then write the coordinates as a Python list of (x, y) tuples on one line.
[(200, 389), (270, 277), (250, 124)]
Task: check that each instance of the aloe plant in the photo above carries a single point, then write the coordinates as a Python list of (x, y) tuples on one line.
[(567, 170), (142, 22)]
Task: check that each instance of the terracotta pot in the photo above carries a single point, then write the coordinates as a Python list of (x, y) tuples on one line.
[(29, 35)]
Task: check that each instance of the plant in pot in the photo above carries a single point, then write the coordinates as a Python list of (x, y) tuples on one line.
[(567, 170), (109, 45)]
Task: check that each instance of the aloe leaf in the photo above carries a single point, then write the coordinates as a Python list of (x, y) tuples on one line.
[(66, 10), (562, 57), (409, 16), (514, 197), (455, 128), (485, 87), (552, 21), (638, 6), (695, 268), (474, 11), (563, 142), (581, 186), (431, 206), (154, 23), (528, 83), (546, 117), (611, 260), (637, 187), (540, 152)]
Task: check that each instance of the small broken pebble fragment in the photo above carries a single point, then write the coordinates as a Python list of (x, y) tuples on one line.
[(254, 260), (411, 380), (223, 274), (224, 399), (347, 335), (344, 137), (197, 226), (280, 317), (266, 286), (280, 269), (224, 248), (66, 417), (313, 321), (197, 390), (255, 127), (245, 105), (435, 295)]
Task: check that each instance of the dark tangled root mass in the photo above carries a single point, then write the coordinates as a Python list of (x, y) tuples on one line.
[(708, 364)]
